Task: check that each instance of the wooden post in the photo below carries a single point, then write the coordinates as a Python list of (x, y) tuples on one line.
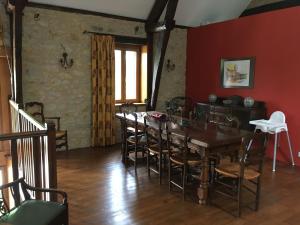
[(52, 156), (16, 9), (15, 169), (157, 45), (37, 165)]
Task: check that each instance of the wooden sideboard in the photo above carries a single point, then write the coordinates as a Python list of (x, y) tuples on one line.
[(244, 114)]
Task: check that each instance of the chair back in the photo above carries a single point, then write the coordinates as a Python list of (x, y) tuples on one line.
[(180, 106), (18, 192), (277, 117), (153, 129), (131, 123), (128, 108), (224, 119), (176, 142), (36, 110), (223, 116), (253, 151)]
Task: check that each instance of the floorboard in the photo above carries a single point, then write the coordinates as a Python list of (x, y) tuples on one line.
[(102, 191)]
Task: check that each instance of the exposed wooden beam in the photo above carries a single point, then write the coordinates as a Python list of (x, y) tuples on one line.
[(271, 7), (88, 12), (156, 11), (166, 25), (158, 36)]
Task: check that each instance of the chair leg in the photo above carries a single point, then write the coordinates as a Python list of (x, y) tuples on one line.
[(148, 163), (290, 147), (239, 197), (165, 161), (126, 153), (67, 145), (160, 168), (170, 175), (135, 157), (184, 181), (275, 152), (257, 197)]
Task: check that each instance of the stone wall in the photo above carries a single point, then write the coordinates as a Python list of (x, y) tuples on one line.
[(67, 93)]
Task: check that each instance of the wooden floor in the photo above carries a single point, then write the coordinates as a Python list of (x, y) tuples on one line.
[(102, 191)]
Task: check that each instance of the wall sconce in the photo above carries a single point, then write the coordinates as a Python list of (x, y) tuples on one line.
[(65, 63), (170, 66), (36, 17)]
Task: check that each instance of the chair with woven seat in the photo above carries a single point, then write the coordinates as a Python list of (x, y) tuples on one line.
[(156, 147), (180, 158), (127, 131), (236, 179), (28, 209), (180, 106), (36, 109), (134, 144)]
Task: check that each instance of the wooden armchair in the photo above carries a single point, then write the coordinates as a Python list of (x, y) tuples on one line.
[(36, 109), (31, 211)]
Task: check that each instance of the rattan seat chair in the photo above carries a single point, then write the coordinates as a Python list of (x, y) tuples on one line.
[(181, 158), (156, 147), (134, 143), (242, 178)]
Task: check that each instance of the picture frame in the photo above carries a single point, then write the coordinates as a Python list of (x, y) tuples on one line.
[(237, 72)]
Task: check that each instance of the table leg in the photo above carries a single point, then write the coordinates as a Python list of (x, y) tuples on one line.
[(275, 152), (203, 188)]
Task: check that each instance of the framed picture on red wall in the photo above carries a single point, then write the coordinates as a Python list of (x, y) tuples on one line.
[(237, 72)]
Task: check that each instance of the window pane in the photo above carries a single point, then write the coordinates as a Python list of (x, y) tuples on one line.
[(118, 78), (131, 58)]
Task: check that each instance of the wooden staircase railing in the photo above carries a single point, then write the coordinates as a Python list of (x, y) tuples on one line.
[(33, 151)]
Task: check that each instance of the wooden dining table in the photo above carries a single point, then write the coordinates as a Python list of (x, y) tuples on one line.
[(210, 138)]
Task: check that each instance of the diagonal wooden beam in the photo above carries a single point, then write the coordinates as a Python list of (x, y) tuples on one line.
[(158, 36), (156, 11)]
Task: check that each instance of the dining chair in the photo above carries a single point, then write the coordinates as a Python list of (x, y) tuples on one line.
[(236, 179), (224, 123), (180, 106), (126, 131), (128, 107), (180, 158), (135, 143), (156, 147), (36, 110)]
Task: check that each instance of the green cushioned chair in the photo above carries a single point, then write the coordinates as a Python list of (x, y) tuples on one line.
[(32, 211)]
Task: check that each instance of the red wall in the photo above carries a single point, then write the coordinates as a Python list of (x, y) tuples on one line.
[(274, 40)]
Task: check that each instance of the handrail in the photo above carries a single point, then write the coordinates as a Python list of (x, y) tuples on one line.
[(22, 135), (32, 120), (33, 151)]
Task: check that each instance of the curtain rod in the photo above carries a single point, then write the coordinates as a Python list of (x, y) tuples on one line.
[(115, 35)]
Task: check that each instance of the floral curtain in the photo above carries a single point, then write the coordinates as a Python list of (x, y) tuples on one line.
[(103, 92)]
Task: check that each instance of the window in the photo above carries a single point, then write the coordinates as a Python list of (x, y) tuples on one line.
[(130, 73)]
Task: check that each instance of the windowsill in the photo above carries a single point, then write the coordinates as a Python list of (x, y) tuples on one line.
[(138, 104)]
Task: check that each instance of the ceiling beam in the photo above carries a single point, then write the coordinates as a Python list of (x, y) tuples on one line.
[(166, 25), (158, 36), (271, 7), (156, 11), (88, 12)]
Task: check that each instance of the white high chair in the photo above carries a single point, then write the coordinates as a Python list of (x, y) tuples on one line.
[(275, 125)]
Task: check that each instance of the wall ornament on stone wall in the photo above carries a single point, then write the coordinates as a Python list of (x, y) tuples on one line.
[(65, 63), (170, 66)]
